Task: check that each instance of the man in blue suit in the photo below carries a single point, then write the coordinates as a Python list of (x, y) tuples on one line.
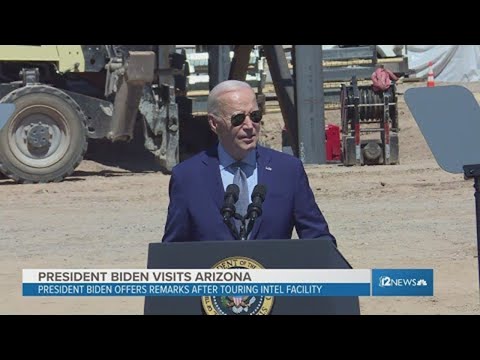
[(198, 185)]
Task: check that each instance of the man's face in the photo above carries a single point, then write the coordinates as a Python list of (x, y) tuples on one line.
[(237, 140)]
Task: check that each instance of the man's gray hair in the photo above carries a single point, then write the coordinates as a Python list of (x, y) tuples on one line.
[(220, 89)]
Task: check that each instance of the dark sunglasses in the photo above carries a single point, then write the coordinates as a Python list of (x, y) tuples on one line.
[(238, 119)]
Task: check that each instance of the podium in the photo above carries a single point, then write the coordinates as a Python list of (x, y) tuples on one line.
[(269, 254)]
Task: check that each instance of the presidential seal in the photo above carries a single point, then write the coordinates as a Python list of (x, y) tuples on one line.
[(237, 305)]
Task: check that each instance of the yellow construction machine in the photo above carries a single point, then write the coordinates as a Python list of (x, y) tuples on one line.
[(65, 95)]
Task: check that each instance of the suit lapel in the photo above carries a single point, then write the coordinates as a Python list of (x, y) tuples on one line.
[(212, 176), (265, 177)]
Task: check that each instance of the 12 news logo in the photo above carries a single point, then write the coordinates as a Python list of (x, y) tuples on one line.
[(386, 281)]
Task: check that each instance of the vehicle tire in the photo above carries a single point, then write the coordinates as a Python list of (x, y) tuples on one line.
[(46, 137)]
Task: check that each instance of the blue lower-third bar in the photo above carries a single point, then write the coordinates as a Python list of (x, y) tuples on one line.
[(182, 289)]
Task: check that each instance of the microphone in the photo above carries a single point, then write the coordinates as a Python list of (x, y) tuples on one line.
[(230, 198), (258, 197)]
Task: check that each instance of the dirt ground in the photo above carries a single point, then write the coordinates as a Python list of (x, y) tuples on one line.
[(412, 215)]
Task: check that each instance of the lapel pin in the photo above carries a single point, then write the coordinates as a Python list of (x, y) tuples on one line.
[(268, 168)]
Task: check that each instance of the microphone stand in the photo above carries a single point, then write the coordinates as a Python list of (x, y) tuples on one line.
[(244, 229), (251, 222), (243, 234), (231, 226), (233, 229)]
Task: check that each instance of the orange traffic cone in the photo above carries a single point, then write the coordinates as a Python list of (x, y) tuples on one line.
[(431, 77)]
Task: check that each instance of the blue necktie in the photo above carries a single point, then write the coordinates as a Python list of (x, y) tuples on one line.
[(240, 179)]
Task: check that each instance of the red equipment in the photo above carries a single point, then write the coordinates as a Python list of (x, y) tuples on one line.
[(332, 143)]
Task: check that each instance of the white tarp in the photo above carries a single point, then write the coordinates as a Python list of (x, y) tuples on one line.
[(451, 63)]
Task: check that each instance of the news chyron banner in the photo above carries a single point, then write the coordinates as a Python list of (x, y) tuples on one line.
[(233, 282)]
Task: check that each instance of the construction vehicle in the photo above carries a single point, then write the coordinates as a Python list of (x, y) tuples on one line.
[(65, 95)]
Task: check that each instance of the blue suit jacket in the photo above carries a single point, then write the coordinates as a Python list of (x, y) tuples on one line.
[(196, 197)]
